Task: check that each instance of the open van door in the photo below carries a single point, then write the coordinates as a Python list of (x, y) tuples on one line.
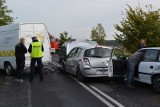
[(117, 63), (28, 30)]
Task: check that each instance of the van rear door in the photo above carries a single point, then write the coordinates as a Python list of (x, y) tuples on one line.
[(39, 30)]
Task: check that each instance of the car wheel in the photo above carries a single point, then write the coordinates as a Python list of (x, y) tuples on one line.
[(8, 69), (156, 83), (80, 76)]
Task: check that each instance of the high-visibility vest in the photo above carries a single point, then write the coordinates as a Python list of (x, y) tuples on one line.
[(36, 50)]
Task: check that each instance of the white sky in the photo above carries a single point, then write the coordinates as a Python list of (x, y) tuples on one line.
[(75, 16)]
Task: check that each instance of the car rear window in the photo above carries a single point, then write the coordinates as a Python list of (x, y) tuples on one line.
[(98, 52)]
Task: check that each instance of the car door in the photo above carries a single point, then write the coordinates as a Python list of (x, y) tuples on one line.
[(69, 59), (75, 60), (148, 65), (119, 62)]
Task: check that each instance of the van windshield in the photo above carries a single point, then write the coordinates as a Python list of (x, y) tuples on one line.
[(98, 52)]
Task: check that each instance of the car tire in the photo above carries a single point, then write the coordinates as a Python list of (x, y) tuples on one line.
[(80, 76), (156, 83), (8, 69)]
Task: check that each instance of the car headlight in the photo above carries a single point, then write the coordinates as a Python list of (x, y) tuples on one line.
[(107, 63)]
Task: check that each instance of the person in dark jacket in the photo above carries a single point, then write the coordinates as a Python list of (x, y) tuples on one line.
[(133, 61), (142, 44), (36, 53), (20, 51)]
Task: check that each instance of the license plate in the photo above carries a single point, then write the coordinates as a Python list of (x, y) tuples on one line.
[(102, 70), (100, 73)]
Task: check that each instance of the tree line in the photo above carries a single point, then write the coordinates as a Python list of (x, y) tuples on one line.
[(138, 23), (5, 17)]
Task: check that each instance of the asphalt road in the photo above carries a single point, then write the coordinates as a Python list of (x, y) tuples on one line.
[(57, 90), (62, 90)]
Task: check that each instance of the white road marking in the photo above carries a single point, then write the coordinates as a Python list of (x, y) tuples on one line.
[(108, 97), (94, 93), (29, 96)]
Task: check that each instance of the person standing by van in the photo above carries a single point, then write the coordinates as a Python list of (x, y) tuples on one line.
[(36, 53), (20, 51)]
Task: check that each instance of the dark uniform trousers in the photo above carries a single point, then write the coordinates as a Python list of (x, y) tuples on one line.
[(40, 67)]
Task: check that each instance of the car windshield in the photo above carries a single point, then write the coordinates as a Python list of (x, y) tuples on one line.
[(98, 52)]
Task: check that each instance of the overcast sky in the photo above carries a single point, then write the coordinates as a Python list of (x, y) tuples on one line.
[(75, 16)]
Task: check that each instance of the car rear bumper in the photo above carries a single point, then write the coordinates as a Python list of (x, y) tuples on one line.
[(95, 72)]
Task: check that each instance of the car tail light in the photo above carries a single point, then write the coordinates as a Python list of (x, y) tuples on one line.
[(86, 61)]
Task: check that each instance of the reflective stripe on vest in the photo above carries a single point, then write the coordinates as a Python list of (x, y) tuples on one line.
[(36, 50)]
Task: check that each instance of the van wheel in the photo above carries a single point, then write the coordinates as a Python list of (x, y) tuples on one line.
[(80, 76), (8, 69), (156, 83)]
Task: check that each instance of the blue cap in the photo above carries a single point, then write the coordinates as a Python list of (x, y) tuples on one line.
[(34, 37)]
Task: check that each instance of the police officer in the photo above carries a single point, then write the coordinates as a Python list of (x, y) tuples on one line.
[(36, 53)]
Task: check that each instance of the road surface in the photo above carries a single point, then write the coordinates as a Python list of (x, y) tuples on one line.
[(63, 90)]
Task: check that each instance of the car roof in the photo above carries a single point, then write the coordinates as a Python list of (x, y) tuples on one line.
[(155, 48), (72, 44), (80, 42), (91, 46)]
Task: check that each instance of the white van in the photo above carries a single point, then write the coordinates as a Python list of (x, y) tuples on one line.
[(9, 37)]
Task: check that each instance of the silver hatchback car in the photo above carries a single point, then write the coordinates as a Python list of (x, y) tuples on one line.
[(99, 61)]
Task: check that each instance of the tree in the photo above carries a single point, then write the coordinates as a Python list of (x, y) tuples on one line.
[(64, 38), (98, 34), (139, 24), (5, 17)]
